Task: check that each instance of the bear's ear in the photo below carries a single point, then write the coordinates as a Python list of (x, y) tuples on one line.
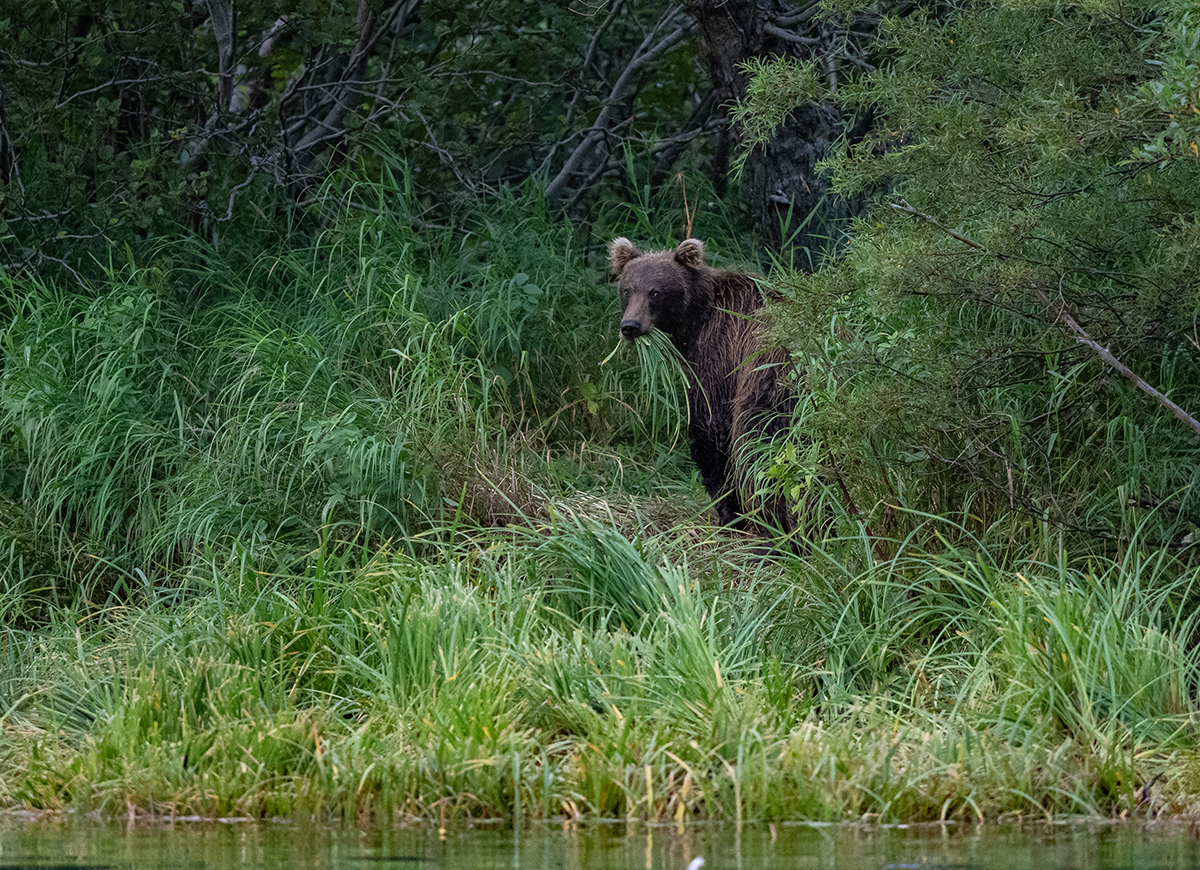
[(690, 253), (620, 252)]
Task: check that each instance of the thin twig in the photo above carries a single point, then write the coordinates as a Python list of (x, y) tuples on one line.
[(689, 211), (1105, 354), (108, 84)]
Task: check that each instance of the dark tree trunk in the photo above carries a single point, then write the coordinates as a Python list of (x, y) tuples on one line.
[(792, 206)]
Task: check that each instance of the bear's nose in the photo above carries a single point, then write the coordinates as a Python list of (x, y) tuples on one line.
[(631, 329)]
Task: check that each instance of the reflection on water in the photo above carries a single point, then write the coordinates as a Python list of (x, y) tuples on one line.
[(44, 844)]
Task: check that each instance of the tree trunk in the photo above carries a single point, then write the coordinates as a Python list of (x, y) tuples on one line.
[(790, 200)]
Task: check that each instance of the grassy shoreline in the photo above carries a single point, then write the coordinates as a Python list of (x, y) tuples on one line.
[(461, 689)]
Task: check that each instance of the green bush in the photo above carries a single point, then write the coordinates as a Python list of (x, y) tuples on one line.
[(944, 382)]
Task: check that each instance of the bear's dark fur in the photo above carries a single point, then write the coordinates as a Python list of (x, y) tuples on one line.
[(735, 397)]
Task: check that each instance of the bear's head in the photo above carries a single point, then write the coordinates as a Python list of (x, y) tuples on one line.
[(665, 290)]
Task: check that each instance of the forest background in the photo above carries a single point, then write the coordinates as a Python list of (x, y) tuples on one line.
[(326, 488)]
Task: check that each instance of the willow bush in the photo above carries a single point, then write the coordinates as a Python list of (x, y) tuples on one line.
[(1027, 162)]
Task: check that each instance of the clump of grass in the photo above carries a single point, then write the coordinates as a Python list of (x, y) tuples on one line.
[(663, 381)]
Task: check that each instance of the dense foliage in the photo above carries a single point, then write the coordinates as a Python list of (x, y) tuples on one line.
[(122, 121), (1031, 166)]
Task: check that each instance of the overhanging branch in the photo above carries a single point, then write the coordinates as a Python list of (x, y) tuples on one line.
[(1060, 314)]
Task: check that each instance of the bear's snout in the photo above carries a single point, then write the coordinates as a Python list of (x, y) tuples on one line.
[(631, 329)]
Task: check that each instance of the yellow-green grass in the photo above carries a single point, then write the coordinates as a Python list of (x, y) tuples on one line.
[(568, 672)]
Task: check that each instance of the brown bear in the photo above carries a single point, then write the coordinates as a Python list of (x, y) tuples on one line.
[(736, 390)]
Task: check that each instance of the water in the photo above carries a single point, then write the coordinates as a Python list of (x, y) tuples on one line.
[(44, 844)]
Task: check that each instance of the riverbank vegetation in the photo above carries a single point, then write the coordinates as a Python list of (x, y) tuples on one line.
[(355, 506), (571, 672)]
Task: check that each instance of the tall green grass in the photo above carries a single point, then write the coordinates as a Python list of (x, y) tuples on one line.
[(573, 673), (372, 387)]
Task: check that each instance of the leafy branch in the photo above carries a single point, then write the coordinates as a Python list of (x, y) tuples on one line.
[(1060, 314)]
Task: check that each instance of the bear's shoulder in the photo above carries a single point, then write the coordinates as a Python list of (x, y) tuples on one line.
[(736, 291)]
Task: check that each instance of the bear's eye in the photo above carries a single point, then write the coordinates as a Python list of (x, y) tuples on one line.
[(654, 294)]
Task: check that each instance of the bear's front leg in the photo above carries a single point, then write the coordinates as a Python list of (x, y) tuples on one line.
[(712, 459)]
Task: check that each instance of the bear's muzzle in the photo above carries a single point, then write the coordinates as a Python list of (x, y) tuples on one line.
[(631, 329)]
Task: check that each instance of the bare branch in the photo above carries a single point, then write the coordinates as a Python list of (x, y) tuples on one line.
[(44, 257), (107, 84), (648, 51), (10, 169), (588, 56), (1105, 354), (806, 14), (907, 209), (238, 188), (221, 13), (341, 95), (788, 36)]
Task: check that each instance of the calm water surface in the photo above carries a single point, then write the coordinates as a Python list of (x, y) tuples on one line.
[(53, 844)]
